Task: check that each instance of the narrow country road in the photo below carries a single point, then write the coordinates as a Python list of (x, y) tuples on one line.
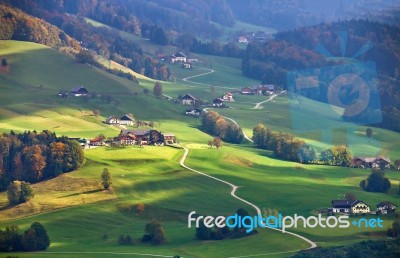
[(258, 105), (209, 71), (234, 187), (233, 194)]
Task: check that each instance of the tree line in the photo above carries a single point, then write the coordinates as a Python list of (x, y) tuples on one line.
[(17, 25), (217, 125), (33, 239), (71, 29), (287, 147), (189, 42), (32, 156)]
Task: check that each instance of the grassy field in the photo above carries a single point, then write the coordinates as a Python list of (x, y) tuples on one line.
[(78, 213)]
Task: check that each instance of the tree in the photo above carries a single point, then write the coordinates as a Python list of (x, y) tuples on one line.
[(394, 230), (157, 90), (35, 238), (341, 156), (211, 143), (35, 162), (397, 164), (4, 62), (84, 56), (307, 154), (368, 132), (203, 232), (154, 232), (106, 178), (26, 192), (217, 142), (376, 182), (241, 213), (19, 192), (326, 156), (260, 136), (10, 239)]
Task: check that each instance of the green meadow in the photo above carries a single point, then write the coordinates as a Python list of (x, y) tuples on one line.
[(86, 221)]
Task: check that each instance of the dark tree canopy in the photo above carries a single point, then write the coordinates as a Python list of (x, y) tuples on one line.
[(157, 89), (32, 156), (376, 182)]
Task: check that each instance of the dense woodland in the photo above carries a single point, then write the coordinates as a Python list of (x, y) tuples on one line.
[(296, 49), (17, 25), (71, 29), (32, 156)]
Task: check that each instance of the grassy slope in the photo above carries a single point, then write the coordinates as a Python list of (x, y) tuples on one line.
[(152, 175)]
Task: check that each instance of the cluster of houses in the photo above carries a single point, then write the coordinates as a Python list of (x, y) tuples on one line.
[(180, 57), (136, 137), (360, 207), (370, 162), (259, 36), (78, 91), (260, 90), (143, 137)]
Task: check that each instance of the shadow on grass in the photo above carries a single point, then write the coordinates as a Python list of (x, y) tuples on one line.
[(87, 192)]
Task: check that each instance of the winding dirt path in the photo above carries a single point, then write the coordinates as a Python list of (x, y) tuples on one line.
[(233, 194)]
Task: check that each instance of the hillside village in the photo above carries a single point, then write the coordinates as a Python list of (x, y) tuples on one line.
[(118, 120)]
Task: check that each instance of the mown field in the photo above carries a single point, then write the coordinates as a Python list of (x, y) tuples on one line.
[(83, 218)]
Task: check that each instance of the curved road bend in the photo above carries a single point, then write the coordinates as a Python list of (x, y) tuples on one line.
[(233, 194)]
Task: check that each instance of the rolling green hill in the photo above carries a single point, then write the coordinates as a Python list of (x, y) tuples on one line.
[(81, 217)]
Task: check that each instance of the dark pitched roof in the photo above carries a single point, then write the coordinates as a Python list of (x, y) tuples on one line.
[(341, 203), (126, 118), (218, 100), (188, 96), (79, 88), (247, 89), (345, 203), (135, 132), (179, 54), (385, 203), (372, 159)]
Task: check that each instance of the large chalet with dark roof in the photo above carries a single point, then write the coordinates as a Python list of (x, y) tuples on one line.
[(126, 120), (350, 207), (144, 137), (79, 91), (178, 57), (188, 100)]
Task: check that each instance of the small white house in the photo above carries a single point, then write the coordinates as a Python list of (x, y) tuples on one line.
[(193, 112), (112, 120)]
